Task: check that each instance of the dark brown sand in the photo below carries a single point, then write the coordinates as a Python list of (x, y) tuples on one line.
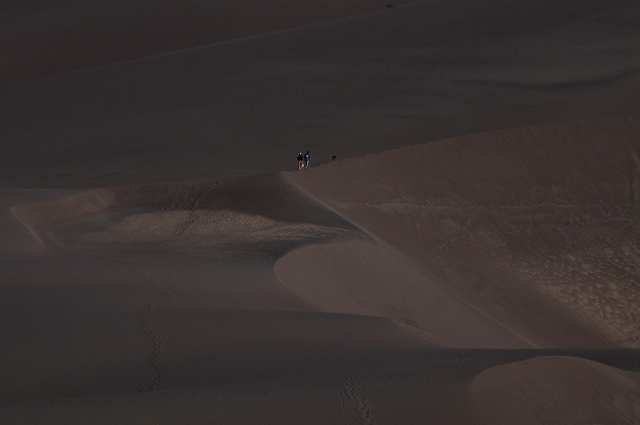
[(347, 87), (534, 227), (46, 38), (470, 258)]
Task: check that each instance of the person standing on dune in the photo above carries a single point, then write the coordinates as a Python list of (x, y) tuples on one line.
[(307, 158), (300, 161)]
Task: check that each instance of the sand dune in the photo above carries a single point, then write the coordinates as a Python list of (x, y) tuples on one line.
[(357, 330), (534, 226), (252, 216), (347, 87), (471, 257), (49, 38), (556, 390)]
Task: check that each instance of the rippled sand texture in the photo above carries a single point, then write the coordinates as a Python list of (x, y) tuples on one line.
[(524, 224), (259, 217)]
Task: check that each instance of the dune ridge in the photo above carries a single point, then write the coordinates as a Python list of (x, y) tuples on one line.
[(470, 258), (529, 224), (348, 87)]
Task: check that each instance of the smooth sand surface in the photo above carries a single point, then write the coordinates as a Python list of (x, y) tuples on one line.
[(470, 258), (556, 390), (347, 87), (46, 38)]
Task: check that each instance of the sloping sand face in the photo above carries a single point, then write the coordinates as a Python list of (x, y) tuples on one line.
[(49, 38), (556, 390), (536, 227), (257, 216), (369, 278), (121, 297)]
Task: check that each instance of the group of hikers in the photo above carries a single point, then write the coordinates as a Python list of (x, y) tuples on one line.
[(303, 160)]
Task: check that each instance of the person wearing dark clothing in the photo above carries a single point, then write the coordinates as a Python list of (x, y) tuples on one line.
[(307, 158), (300, 161)]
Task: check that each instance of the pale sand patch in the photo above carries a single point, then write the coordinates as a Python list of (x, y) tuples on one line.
[(362, 277), (254, 216), (205, 232), (556, 390)]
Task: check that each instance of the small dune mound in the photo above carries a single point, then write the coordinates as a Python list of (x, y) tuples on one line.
[(255, 216), (556, 390)]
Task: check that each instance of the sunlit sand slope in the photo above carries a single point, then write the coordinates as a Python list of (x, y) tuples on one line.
[(536, 227), (556, 390)]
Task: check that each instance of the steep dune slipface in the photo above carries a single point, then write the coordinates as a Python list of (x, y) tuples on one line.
[(536, 227), (556, 390), (368, 278)]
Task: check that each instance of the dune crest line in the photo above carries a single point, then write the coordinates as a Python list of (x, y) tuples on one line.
[(535, 226)]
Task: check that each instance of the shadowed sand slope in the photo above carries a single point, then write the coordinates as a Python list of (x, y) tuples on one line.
[(536, 227), (144, 288), (44, 38), (259, 216), (347, 87)]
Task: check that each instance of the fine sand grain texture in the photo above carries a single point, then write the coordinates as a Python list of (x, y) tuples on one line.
[(470, 258)]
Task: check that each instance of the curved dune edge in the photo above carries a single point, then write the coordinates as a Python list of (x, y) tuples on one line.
[(260, 216), (556, 390), (41, 215), (364, 278), (536, 226)]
